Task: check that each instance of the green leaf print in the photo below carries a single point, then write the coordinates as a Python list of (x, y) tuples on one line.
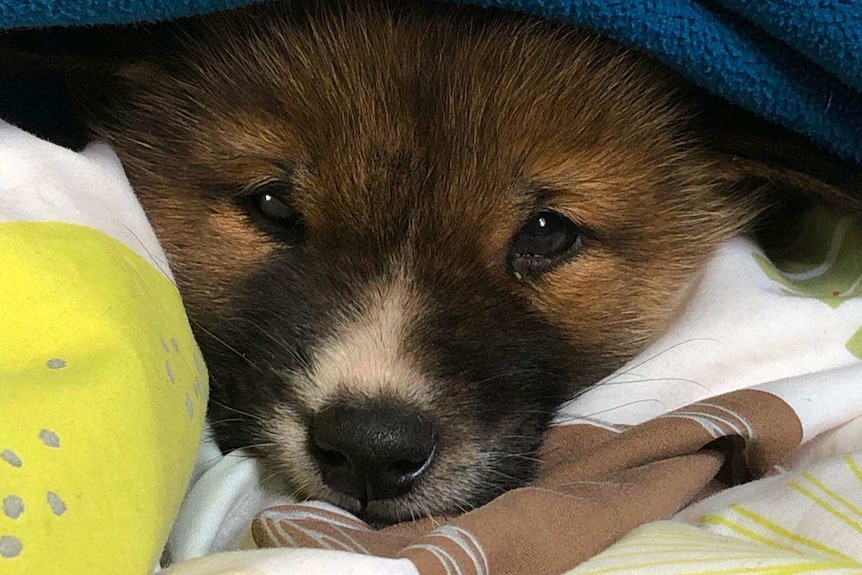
[(820, 256), (817, 254), (854, 344)]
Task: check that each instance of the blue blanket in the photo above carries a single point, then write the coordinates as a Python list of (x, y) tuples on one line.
[(794, 62)]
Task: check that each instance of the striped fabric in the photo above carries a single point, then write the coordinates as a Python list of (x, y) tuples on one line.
[(670, 548)]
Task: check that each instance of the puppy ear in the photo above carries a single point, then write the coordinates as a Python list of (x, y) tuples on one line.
[(54, 78), (786, 165)]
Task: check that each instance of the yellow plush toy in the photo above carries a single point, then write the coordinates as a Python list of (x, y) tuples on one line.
[(102, 387)]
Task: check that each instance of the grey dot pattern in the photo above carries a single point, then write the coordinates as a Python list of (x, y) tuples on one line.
[(13, 507), (49, 438), (56, 363), (173, 345), (58, 506), (10, 547), (11, 458)]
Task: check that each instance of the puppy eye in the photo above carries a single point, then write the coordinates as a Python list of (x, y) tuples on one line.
[(545, 241), (275, 207), (270, 206)]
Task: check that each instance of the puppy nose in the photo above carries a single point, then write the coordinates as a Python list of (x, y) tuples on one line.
[(372, 451)]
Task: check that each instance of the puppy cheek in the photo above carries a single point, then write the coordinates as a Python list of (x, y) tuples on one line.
[(211, 253), (242, 247), (606, 306)]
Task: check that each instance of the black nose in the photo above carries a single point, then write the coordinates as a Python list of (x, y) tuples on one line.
[(372, 450)]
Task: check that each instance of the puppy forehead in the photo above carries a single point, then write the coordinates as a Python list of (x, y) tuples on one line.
[(388, 127), (360, 87)]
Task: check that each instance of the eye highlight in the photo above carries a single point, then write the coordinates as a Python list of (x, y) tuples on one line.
[(545, 241), (270, 205), (275, 207)]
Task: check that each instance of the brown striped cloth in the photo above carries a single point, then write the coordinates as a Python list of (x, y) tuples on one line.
[(596, 484)]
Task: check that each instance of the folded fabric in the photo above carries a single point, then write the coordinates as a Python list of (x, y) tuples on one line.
[(757, 376), (597, 485), (807, 519), (102, 387), (794, 62)]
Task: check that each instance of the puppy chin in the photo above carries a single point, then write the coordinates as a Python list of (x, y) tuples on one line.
[(380, 513), (423, 502)]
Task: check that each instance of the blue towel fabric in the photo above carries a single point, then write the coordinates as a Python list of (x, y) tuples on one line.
[(797, 63)]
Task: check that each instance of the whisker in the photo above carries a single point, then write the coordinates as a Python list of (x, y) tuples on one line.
[(429, 515), (255, 446), (654, 379), (574, 417), (499, 473), (252, 416), (661, 353), (225, 422), (282, 345), (161, 265), (531, 372), (525, 457), (224, 343)]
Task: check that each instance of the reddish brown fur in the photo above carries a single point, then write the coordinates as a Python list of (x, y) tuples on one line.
[(524, 104), (435, 133)]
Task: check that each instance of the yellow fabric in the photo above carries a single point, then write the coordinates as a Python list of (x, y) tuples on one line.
[(102, 400), (669, 548)]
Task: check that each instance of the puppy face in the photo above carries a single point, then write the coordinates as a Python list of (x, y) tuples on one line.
[(405, 236)]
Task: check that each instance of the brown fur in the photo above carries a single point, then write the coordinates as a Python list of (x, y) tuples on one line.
[(487, 115), (416, 142)]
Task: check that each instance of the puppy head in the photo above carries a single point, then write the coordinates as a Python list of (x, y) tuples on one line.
[(406, 235)]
